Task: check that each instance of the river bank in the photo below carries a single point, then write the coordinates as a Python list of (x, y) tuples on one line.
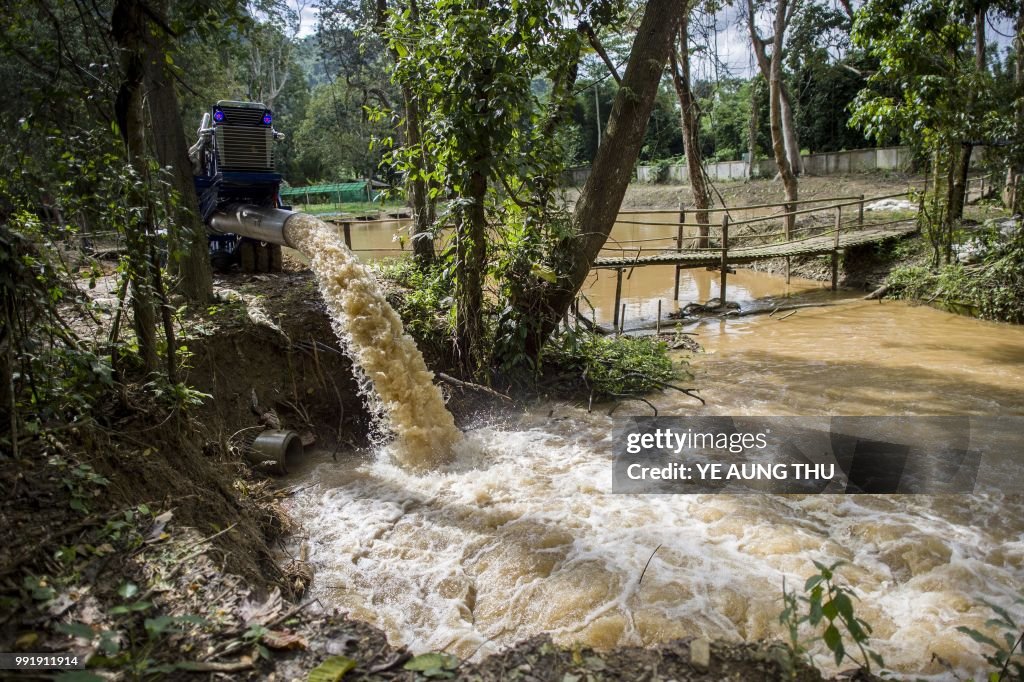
[(160, 574), (168, 573)]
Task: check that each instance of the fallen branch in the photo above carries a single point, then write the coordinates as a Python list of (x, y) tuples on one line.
[(623, 398), (877, 293), (471, 386), (589, 325)]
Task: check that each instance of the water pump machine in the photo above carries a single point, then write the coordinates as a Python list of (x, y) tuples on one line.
[(238, 187)]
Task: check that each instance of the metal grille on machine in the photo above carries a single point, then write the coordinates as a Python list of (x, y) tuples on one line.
[(244, 143)]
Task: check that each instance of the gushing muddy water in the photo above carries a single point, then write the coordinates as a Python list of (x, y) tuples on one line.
[(386, 358), (521, 534)]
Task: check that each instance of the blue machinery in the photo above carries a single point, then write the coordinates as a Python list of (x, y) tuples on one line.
[(238, 187)]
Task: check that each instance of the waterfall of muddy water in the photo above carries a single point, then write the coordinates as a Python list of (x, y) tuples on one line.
[(387, 357), (521, 534)]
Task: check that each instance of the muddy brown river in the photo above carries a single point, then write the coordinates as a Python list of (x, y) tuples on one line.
[(522, 535)]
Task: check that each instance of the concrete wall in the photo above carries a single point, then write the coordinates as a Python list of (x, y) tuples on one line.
[(829, 163), (826, 163)]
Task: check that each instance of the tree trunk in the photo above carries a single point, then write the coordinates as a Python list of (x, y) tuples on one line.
[(959, 191), (752, 134), (764, 63), (775, 113), (422, 238), (472, 259), (601, 197), (188, 247), (472, 245), (796, 164), (129, 31), (1013, 195), (690, 120)]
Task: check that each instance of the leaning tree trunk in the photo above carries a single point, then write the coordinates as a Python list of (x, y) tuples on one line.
[(601, 197), (689, 121), (189, 248), (129, 31)]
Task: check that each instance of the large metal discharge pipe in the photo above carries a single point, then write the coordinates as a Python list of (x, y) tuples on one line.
[(263, 224)]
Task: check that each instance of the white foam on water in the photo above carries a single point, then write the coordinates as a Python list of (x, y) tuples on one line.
[(520, 534), (472, 545)]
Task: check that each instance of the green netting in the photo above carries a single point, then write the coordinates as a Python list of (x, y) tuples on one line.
[(337, 192)]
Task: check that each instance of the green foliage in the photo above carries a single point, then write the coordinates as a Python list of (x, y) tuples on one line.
[(1007, 663), (332, 139), (829, 612), (724, 124), (52, 373), (433, 665), (424, 299), (332, 669), (910, 282), (995, 287), (81, 481), (612, 366)]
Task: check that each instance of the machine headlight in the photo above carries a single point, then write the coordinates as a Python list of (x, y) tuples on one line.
[(218, 115), (267, 118)]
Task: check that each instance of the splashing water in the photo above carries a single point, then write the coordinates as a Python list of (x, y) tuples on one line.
[(521, 535), (394, 378)]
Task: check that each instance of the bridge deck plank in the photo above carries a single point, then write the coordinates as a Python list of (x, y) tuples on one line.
[(819, 245)]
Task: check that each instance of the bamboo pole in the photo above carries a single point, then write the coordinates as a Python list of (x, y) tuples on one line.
[(835, 248), (679, 247), (725, 258), (618, 297)]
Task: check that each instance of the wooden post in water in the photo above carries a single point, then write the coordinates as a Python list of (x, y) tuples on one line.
[(347, 227), (860, 213), (622, 319), (835, 248), (679, 245), (657, 325), (618, 297), (725, 258)]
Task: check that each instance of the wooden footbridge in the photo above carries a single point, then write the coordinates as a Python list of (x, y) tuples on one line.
[(810, 231)]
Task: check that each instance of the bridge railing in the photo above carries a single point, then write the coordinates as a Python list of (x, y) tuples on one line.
[(801, 221)]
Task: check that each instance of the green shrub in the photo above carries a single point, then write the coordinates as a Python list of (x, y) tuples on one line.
[(995, 286), (611, 366), (910, 281)]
